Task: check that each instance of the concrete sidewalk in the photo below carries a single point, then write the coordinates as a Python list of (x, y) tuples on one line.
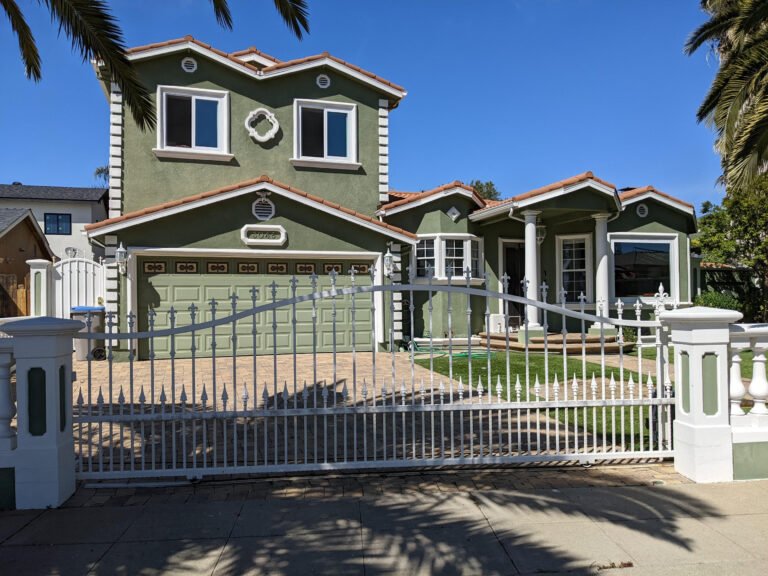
[(612, 520)]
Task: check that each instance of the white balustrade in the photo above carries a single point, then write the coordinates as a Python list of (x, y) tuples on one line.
[(748, 399)]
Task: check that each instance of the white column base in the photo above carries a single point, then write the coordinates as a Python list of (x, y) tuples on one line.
[(703, 453)]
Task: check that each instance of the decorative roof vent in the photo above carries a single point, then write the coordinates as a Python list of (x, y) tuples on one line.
[(453, 213), (189, 64), (642, 210), (323, 81), (263, 208)]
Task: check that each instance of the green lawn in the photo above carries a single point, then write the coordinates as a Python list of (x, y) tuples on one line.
[(612, 418)]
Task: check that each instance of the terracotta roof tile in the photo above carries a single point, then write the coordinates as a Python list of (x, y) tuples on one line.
[(584, 176), (147, 47), (639, 191), (253, 50), (297, 61), (261, 179), (400, 194), (412, 197)]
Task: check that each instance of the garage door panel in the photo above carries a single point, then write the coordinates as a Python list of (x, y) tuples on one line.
[(160, 291)]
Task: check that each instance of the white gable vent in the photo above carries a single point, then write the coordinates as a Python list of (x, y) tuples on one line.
[(188, 64), (323, 81), (263, 208), (642, 210)]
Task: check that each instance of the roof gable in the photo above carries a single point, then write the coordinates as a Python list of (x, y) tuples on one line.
[(206, 198), (407, 201), (10, 218), (270, 67), (559, 188), (638, 194)]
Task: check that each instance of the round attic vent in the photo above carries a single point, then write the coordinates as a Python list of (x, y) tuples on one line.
[(642, 210), (323, 81), (263, 209), (188, 64)]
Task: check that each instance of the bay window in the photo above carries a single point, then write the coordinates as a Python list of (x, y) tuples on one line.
[(449, 256)]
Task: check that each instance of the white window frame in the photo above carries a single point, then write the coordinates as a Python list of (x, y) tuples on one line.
[(221, 152), (440, 277), (416, 257), (349, 162), (670, 238), (589, 263)]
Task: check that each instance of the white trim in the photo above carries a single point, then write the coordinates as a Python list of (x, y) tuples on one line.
[(659, 198), (670, 238), (589, 264), (199, 152), (262, 75), (501, 270), (192, 154), (325, 161), (321, 163), (111, 228), (513, 206), (248, 228), (253, 57), (439, 248), (431, 198)]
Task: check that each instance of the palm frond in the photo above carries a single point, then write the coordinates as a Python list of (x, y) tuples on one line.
[(94, 32), (295, 14), (711, 31), (27, 46), (222, 12)]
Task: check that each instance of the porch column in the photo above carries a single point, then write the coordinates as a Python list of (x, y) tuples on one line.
[(601, 260), (532, 266)]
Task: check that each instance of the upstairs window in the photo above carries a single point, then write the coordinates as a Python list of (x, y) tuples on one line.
[(326, 133), (192, 122), (58, 224)]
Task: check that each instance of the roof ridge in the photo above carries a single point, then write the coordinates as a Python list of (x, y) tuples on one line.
[(414, 196)]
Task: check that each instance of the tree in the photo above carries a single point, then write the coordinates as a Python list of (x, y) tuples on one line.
[(737, 102), (737, 233), (101, 174), (94, 33), (486, 190)]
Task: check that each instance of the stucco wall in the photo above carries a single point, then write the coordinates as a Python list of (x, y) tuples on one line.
[(149, 180)]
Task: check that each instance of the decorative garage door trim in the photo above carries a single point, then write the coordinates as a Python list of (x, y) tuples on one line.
[(293, 256)]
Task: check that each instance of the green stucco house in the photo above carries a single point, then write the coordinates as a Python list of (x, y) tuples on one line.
[(261, 169)]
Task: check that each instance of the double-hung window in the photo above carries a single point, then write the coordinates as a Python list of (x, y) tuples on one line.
[(425, 257), (58, 224), (325, 134), (448, 256), (193, 123), (574, 261)]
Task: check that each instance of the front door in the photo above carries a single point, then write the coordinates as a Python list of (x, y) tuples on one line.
[(514, 266)]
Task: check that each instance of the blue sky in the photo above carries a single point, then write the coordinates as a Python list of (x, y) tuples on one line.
[(520, 92)]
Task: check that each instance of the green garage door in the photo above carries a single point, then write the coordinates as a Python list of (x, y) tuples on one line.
[(181, 282)]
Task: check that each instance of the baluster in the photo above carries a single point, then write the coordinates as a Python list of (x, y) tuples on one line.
[(758, 387), (233, 298)]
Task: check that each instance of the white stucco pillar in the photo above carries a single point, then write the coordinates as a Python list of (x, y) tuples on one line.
[(601, 260), (532, 266)]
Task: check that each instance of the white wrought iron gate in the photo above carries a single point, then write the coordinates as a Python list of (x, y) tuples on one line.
[(572, 396), (76, 282)]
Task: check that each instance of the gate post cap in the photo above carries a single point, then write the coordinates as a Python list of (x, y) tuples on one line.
[(700, 315), (42, 326)]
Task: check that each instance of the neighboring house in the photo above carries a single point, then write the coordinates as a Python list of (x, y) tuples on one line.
[(20, 240), (261, 169), (61, 212)]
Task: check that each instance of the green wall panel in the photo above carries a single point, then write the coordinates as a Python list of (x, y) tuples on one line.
[(685, 385), (36, 401), (709, 384), (750, 461)]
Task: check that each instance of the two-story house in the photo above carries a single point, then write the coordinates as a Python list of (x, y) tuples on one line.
[(261, 169), (62, 212)]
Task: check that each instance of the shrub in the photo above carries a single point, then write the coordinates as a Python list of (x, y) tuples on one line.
[(717, 300)]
